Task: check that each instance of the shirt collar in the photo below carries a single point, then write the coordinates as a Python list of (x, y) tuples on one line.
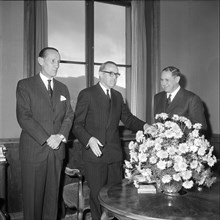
[(105, 89), (45, 80), (173, 94)]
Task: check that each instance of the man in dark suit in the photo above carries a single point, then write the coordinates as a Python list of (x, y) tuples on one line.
[(177, 100), (45, 116), (98, 112)]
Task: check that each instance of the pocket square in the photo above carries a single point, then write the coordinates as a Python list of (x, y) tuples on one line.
[(62, 98)]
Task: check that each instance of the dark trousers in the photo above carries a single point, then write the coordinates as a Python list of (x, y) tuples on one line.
[(98, 175), (40, 187)]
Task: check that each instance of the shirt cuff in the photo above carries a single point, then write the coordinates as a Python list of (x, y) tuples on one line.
[(63, 138)]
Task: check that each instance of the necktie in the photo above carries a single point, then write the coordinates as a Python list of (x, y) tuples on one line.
[(108, 95), (169, 100), (50, 91)]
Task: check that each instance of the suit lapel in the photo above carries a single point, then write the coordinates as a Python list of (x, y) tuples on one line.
[(42, 87), (104, 100), (113, 103), (176, 101)]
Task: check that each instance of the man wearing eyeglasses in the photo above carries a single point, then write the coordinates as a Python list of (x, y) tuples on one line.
[(98, 112)]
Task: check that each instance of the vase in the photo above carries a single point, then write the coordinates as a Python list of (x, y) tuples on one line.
[(172, 188)]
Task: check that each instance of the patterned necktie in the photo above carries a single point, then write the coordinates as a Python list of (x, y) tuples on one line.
[(50, 90), (169, 100)]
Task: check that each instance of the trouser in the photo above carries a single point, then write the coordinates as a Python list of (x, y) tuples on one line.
[(40, 188), (98, 175)]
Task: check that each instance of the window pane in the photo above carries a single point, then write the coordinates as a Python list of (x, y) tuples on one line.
[(66, 32), (72, 75), (66, 28), (109, 29)]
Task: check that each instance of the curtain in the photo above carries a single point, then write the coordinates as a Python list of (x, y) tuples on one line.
[(35, 34), (139, 56), (145, 57)]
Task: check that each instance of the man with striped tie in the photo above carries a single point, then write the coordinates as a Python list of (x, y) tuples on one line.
[(45, 116)]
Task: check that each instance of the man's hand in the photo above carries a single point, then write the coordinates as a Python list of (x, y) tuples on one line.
[(94, 144), (54, 141)]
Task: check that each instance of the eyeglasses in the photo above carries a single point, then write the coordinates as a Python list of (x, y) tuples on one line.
[(112, 74)]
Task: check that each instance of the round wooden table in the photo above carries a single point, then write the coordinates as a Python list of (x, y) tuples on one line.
[(124, 202)]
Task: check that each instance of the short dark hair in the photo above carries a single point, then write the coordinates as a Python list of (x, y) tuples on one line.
[(102, 67), (175, 71), (43, 52)]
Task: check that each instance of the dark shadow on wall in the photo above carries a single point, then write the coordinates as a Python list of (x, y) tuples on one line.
[(208, 133), (183, 81)]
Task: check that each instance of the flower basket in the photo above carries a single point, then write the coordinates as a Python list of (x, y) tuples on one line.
[(171, 151)]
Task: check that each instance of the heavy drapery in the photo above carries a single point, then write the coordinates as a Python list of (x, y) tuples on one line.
[(35, 34), (145, 57)]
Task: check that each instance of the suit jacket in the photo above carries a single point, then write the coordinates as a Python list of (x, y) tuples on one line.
[(39, 117), (94, 117), (185, 103)]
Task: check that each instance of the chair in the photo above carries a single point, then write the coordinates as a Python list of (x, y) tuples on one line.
[(76, 194)]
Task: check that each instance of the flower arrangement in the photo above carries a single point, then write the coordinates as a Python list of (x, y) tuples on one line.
[(172, 149)]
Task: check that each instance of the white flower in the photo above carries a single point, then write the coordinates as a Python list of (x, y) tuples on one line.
[(142, 157), (178, 158), (194, 164), (182, 166), (161, 164), (195, 133), (187, 174), (153, 160), (128, 164), (128, 174), (166, 179), (198, 142), (147, 173), (176, 167), (139, 136), (188, 184), (131, 145), (162, 154), (201, 151), (142, 147), (169, 134), (192, 147), (197, 126), (211, 161), (177, 177), (171, 150), (183, 148), (169, 163)]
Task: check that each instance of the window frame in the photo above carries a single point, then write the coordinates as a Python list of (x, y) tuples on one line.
[(89, 44)]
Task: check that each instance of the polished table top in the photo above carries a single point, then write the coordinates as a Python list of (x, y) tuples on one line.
[(124, 202)]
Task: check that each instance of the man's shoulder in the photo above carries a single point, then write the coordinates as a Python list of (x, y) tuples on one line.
[(89, 91), (187, 92), (116, 92), (59, 83), (160, 94), (28, 80)]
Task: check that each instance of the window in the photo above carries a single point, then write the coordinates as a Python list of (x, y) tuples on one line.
[(88, 33)]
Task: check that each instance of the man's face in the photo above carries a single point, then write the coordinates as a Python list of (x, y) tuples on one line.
[(169, 83), (105, 78), (50, 63)]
